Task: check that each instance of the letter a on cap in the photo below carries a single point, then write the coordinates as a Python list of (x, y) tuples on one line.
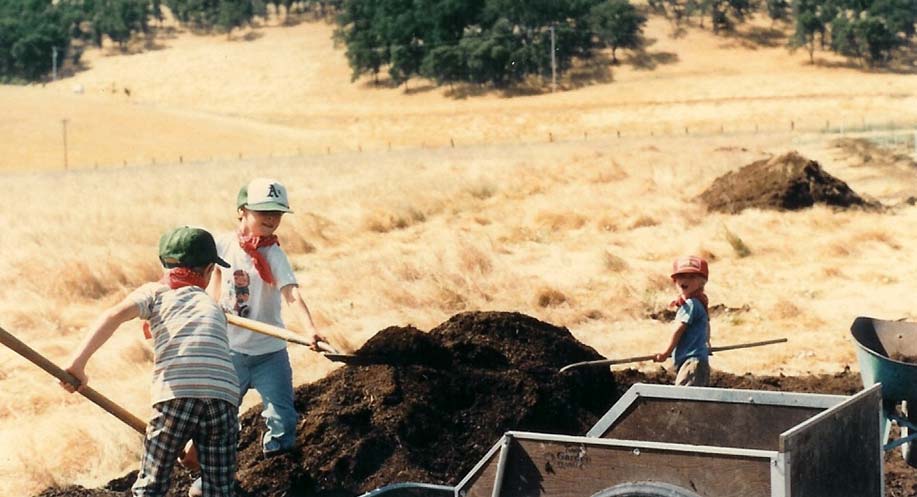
[(264, 194)]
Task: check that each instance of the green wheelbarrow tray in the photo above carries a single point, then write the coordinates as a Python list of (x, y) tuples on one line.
[(884, 349)]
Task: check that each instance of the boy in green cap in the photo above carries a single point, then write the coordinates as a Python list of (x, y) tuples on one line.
[(195, 392)]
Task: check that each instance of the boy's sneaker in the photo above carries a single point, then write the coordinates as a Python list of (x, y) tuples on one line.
[(273, 448), (196, 489)]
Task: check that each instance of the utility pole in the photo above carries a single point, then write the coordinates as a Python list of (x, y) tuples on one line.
[(53, 63), (64, 124), (553, 62)]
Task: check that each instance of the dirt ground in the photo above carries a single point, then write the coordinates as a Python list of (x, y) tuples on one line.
[(429, 405), (786, 182)]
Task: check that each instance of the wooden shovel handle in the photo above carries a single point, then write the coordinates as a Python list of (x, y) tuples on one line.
[(276, 332), (16, 345), (611, 362)]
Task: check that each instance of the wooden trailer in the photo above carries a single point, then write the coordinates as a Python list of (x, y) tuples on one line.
[(666, 441)]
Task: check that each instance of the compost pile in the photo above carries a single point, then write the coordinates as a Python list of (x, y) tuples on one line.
[(785, 182), (435, 402)]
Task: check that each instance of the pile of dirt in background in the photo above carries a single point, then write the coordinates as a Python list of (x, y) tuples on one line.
[(444, 398), (785, 182)]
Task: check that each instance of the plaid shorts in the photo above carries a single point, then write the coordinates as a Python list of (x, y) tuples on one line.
[(212, 424)]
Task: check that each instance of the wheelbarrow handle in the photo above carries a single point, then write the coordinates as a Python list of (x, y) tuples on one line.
[(44, 363), (611, 362)]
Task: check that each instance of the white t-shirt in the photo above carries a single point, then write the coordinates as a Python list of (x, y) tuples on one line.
[(190, 350), (244, 293)]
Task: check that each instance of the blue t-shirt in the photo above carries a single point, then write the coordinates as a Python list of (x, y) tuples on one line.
[(693, 342)]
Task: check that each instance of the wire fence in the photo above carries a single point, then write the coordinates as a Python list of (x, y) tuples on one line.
[(897, 136)]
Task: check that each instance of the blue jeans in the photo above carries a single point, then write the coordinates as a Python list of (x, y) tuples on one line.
[(271, 375)]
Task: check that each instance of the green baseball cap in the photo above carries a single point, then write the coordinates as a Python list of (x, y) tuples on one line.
[(263, 194), (188, 247)]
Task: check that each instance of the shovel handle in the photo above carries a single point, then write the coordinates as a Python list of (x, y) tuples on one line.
[(611, 362), (16, 345), (276, 332)]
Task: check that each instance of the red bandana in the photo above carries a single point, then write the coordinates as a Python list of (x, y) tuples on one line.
[(177, 277), (250, 245), (680, 301)]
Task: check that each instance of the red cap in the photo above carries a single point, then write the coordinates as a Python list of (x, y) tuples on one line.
[(691, 264)]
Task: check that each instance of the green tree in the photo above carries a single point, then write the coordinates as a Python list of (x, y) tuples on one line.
[(877, 39), (778, 10), (617, 24), (235, 14), (496, 42), (899, 16), (808, 25), (30, 30), (119, 19)]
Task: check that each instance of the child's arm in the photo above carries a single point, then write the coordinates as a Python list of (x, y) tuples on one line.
[(676, 337), (293, 298), (100, 331)]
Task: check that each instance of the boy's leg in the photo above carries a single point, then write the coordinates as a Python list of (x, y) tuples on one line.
[(272, 377), (693, 372), (243, 371), (217, 442), (169, 429)]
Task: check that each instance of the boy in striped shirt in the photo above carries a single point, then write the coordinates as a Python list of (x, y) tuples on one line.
[(195, 391)]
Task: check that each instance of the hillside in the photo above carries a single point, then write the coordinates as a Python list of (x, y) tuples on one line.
[(203, 93)]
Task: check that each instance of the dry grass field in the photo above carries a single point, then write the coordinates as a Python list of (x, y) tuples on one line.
[(394, 226)]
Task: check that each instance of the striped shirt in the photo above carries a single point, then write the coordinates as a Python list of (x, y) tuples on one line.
[(190, 348)]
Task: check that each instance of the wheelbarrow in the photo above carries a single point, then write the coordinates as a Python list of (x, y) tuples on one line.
[(887, 353)]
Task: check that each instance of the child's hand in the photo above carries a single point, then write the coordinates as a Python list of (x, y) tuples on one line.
[(188, 458), (321, 344), (77, 373), (661, 357)]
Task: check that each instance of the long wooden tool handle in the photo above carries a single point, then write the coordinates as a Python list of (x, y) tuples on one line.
[(611, 362), (276, 332), (747, 345), (44, 363)]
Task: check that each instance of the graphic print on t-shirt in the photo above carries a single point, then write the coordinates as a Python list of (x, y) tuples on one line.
[(241, 282)]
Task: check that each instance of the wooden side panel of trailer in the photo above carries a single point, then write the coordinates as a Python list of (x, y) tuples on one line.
[(480, 482), (838, 453), (695, 422), (542, 468)]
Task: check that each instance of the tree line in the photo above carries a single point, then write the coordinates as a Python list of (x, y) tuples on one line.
[(870, 31), (32, 31), (501, 42), (497, 42), (494, 42)]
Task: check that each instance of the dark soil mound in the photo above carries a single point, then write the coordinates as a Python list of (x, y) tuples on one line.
[(434, 410), (787, 182)]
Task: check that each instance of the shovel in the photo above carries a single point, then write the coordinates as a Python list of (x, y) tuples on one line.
[(326, 349), (16, 345), (610, 362), (189, 458)]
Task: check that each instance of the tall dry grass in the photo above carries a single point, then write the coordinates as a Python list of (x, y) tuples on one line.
[(535, 234)]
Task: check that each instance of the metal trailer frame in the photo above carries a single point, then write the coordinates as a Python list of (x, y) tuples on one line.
[(709, 442)]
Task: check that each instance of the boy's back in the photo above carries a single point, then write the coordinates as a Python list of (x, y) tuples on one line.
[(190, 347)]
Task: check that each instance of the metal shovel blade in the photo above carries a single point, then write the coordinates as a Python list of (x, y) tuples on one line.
[(353, 360)]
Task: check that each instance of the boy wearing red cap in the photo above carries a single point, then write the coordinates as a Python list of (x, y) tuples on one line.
[(691, 340), (195, 390)]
